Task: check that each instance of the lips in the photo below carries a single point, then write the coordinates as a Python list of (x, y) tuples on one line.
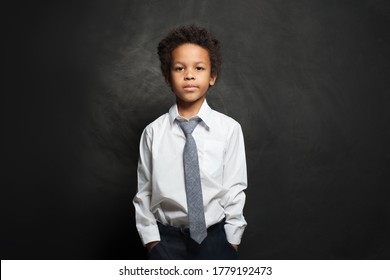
[(190, 87)]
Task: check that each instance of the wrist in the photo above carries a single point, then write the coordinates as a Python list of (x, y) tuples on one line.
[(151, 245)]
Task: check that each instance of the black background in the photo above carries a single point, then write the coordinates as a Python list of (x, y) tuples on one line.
[(308, 81)]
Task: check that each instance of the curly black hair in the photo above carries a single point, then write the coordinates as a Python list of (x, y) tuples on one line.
[(189, 34)]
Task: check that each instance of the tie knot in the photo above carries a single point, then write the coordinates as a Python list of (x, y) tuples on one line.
[(188, 127)]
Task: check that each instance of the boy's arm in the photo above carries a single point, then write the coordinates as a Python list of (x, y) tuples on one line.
[(145, 220), (235, 180)]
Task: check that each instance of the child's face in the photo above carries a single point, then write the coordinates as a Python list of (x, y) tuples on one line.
[(191, 73)]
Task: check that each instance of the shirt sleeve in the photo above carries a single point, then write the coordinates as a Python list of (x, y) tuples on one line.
[(145, 220), (235, 180)]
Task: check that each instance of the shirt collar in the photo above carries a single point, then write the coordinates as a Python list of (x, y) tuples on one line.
[(204, 113)]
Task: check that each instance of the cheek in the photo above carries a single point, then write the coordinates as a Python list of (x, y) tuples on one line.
[(174, 79)]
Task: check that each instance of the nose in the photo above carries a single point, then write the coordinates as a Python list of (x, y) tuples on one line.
[(188, 76)]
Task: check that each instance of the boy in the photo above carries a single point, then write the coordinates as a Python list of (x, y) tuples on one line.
[(191, 148)]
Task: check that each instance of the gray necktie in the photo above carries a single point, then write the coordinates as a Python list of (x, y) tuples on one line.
[(198, 230)]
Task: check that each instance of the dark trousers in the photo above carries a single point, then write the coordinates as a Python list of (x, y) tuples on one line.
[(176, 244)]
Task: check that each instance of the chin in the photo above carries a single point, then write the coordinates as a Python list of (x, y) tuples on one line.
[(193, 100)]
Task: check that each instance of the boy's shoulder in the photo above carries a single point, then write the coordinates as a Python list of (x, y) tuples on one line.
[(223, 116), (224, 120), (156, 123)]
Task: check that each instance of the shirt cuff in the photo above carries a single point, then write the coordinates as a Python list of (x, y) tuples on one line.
[(149, 234), (234, 233)]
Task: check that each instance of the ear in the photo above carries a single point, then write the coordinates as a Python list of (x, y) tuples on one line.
[(213, 79)]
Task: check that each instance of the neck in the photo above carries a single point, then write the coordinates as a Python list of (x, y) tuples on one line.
[(189, 109)]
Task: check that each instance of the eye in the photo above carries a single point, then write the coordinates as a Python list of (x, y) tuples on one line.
[(200, 68), (179, 68)]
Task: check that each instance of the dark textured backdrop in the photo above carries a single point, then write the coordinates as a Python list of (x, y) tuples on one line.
[(308, 80)]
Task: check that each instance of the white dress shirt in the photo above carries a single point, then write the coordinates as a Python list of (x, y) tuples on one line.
[(161, 192)]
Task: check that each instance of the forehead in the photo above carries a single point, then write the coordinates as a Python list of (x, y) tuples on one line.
[(190, 53)]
